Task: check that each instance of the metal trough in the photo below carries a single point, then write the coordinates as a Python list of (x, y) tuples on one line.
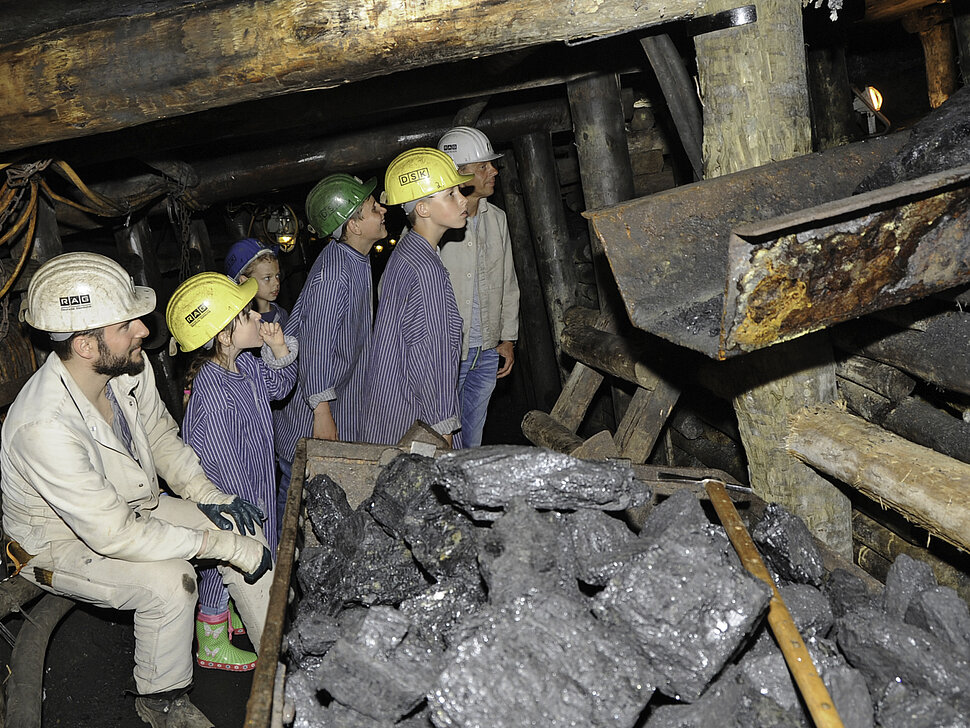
[(738, 263)]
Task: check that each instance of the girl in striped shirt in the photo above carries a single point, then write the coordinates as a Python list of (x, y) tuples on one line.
[(229, 424)]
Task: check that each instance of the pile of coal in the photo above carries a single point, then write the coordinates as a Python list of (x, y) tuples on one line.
[(501, 586)]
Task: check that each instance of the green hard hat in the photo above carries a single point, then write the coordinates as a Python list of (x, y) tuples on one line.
[(334, 199)]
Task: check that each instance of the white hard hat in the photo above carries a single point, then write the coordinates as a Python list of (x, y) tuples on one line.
[(467, 145), (83, 291)]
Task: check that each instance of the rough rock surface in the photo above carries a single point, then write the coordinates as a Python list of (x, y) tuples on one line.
[(788, 546), (906, 578)]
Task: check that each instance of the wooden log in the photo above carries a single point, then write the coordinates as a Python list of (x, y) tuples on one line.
[(644, 420), (543, 431), (610, 353), (888, 381), (863, 401), (937, 355), (926, 487), (871, 561), (888, 544), (707, 445), (919, 421), (184, 59)]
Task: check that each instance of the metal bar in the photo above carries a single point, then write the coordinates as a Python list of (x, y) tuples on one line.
[(816, 267), (669, 251), (817, 699)]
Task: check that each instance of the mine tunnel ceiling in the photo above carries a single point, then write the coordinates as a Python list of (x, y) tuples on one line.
[(285, 124)]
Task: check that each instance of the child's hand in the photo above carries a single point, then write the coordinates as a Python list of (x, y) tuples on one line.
[(272, 335)]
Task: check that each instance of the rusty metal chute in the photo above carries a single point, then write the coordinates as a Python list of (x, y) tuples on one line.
[(744, 261)]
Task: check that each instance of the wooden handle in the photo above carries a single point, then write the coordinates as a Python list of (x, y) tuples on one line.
[(813, 690)]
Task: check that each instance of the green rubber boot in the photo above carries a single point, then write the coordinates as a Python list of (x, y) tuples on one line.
[(236, 625), (215, 651)]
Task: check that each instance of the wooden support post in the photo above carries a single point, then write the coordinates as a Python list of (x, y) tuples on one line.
[(756, 110), (935, 28), (554, 258), (644, 420), (544, 431), (535, 335), (833, 120), (604, 166), (926, 487)]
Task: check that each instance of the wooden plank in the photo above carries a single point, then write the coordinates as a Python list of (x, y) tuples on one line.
[(191, 57), (926, 487), (574, 400), (598, 447), (888, 381), (644, 420)]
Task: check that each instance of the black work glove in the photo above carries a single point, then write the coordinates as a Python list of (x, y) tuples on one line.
[(246, 515), (265, 565)]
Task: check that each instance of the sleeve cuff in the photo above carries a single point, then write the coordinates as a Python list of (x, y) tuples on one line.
[(326, 395), (446, 427), (272, 362)]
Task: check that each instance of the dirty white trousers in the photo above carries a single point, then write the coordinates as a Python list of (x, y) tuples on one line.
[(163, 595)]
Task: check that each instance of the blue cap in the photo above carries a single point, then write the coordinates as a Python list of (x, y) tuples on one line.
[(245, 252)]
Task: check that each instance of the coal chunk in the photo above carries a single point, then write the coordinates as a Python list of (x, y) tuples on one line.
[(885, 650), (679, 512), (942, 613), (847, 593), (525, 551), (730, 702), (939, 141), (484, 479), (809, 609), (906, 707), (380, 570), (601, 544), (541, 660), (312, 633), (788, 546), (405, 503), (687, 605), (335, 524), (436, 612), (382, 671), (906, 578)]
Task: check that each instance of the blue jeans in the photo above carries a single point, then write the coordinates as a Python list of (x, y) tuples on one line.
[(476, 382)]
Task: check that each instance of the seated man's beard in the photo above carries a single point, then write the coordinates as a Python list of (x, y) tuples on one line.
[(114, 366)]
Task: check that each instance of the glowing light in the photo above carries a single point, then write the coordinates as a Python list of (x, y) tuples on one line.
[(874, 97), (378, 248)]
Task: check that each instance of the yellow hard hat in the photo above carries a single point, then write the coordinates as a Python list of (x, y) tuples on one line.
[(420, 172), (204, 305)]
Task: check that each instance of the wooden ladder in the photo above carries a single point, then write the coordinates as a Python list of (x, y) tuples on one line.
[(599, 353)]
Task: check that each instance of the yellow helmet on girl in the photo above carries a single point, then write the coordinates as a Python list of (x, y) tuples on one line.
[(420, 172), (204, 305)]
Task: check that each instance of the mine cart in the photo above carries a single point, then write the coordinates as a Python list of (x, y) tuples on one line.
[(356, 467)]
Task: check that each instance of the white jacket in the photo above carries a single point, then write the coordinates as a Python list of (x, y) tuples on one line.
[(65, 475), (487, 249)]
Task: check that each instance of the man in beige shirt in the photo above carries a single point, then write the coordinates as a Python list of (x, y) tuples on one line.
[(483, 277)]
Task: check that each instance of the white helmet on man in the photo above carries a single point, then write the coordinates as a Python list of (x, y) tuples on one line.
[(466, 146), (83, 291)]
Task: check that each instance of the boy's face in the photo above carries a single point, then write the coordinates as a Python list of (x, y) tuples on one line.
[(267, 275), (371, 220), (483, 185), (448, 208)]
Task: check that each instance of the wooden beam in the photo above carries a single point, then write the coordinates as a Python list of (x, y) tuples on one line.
[(159, 63), (926, 487)]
